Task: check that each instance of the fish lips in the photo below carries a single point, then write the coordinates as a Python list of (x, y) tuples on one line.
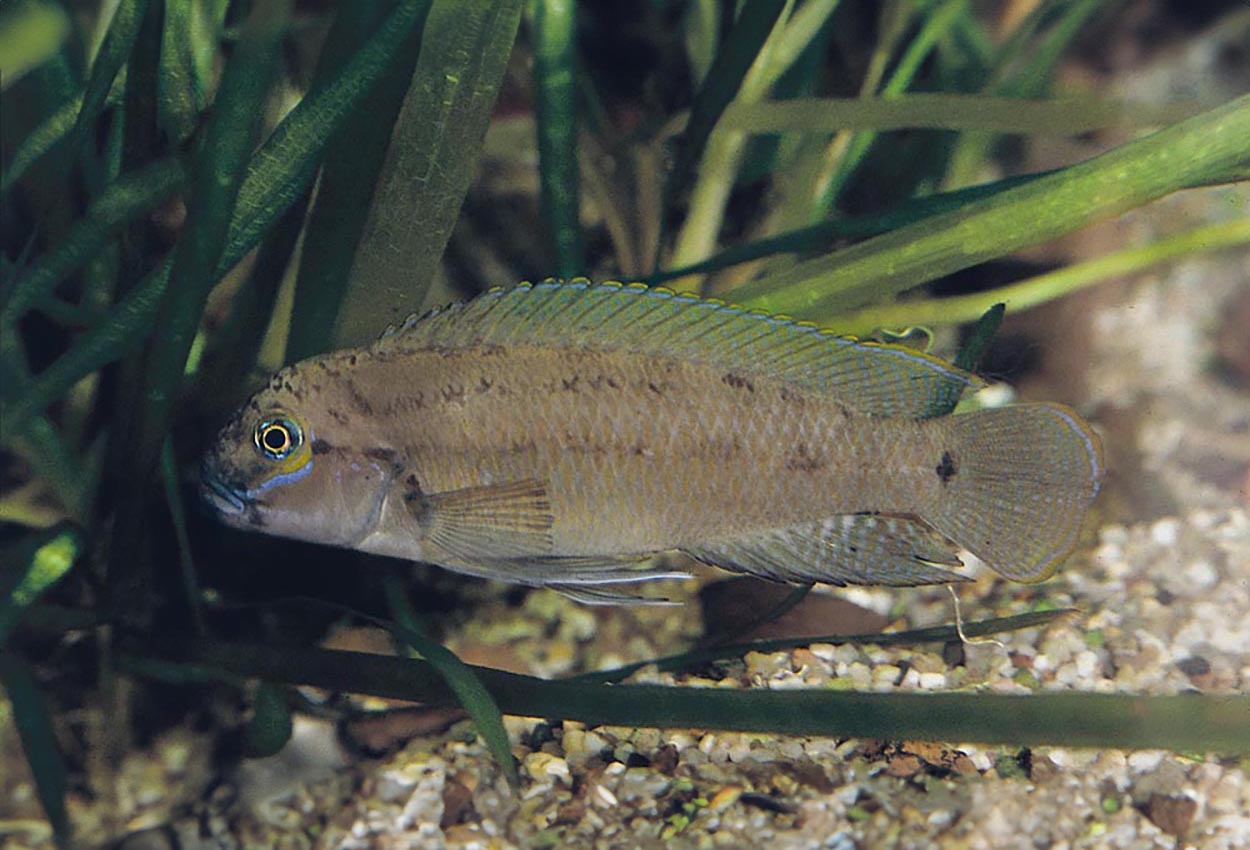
[(228, 502)]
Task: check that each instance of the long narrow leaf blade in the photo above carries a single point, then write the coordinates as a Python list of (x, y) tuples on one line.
[(277, 175), (754, 24), (432, 159), (460, 677), (555, 108), (1189, 722), (1205, 149), (33, 721), (353, 161)]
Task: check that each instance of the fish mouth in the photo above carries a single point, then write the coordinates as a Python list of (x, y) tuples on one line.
[(221, 497)]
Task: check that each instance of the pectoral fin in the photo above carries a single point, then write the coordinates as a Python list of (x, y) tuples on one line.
[(489, 523)]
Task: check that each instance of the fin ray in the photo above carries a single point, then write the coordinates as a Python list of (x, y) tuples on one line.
[(487, 523), (875, 378), (841, 550), (1020, 481)]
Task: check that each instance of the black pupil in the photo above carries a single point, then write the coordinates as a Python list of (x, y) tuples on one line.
[(275, 438)]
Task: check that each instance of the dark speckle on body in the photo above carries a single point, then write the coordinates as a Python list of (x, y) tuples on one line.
[(946, 468)]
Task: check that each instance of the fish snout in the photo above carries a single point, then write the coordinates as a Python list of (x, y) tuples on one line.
[(217, 495)]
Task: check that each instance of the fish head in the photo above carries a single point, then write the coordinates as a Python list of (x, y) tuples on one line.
[(290, 464)]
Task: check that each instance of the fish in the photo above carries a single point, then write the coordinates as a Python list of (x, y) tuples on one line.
[(563, 434)]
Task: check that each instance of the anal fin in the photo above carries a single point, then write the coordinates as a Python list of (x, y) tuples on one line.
[(869, 549)]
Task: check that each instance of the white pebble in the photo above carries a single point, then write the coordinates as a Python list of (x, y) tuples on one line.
[(1166, 532)]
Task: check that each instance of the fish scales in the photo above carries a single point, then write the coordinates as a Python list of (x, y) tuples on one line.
[(641, 453), (560, 434)]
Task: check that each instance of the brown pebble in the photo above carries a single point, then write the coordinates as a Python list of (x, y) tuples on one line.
[(665, 759), (904, 765), (1172, 814), (1041, 767), (386, 731), (570, 813), (457, 803)]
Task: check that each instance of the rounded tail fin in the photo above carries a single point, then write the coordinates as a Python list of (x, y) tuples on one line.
[(1015, 486)]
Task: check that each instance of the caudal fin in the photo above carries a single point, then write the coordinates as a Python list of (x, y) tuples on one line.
[(1016, 484)]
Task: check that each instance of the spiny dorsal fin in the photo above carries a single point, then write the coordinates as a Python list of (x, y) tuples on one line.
[(874, 378)]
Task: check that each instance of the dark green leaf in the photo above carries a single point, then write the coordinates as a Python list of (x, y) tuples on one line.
[(129, 197), (277, 175), (555, 109), (353, 161), (114, 51), (34, 727), (431, 161), (751, 29), (463, 680), (1189, 722)]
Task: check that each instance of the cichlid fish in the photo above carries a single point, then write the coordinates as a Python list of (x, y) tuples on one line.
[(562, 434)]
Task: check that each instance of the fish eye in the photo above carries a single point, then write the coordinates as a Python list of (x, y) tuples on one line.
[(277, 438)]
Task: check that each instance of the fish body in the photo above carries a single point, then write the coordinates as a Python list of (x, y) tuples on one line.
[(563, 433)]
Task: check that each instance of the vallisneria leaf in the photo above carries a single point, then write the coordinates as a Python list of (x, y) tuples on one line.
[(33, 721), (1188, 722), (1207, 148), (276, 175), (112, 56), (353, 161), (1062, 116), (463, 680), (432, 158), (555, 109), (127, 198)]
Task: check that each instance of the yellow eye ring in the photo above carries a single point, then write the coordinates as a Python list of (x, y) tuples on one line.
[(277, 438)]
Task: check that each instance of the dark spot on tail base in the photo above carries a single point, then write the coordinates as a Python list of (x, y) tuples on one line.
[(946, 468)]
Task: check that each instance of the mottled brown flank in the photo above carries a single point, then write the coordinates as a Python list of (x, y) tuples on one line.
[(739, 382), (384, 455), (363, 406), (321, 447), (803, 459)]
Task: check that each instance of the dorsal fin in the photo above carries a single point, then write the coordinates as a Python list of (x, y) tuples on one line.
[(873, 378)]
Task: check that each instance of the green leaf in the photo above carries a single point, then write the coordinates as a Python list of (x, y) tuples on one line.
[(1051, 285), (431, 161), (353, 161), (750, 31), (31, 32), (219, 171), (463, 680), (130, 196), (46, 137), (40, 562), (179, 93), (820, 235), (555, 108), (1205, 149), (1063, 116), (33, 721), (277, 175), (114, 50), (1188, 722)]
